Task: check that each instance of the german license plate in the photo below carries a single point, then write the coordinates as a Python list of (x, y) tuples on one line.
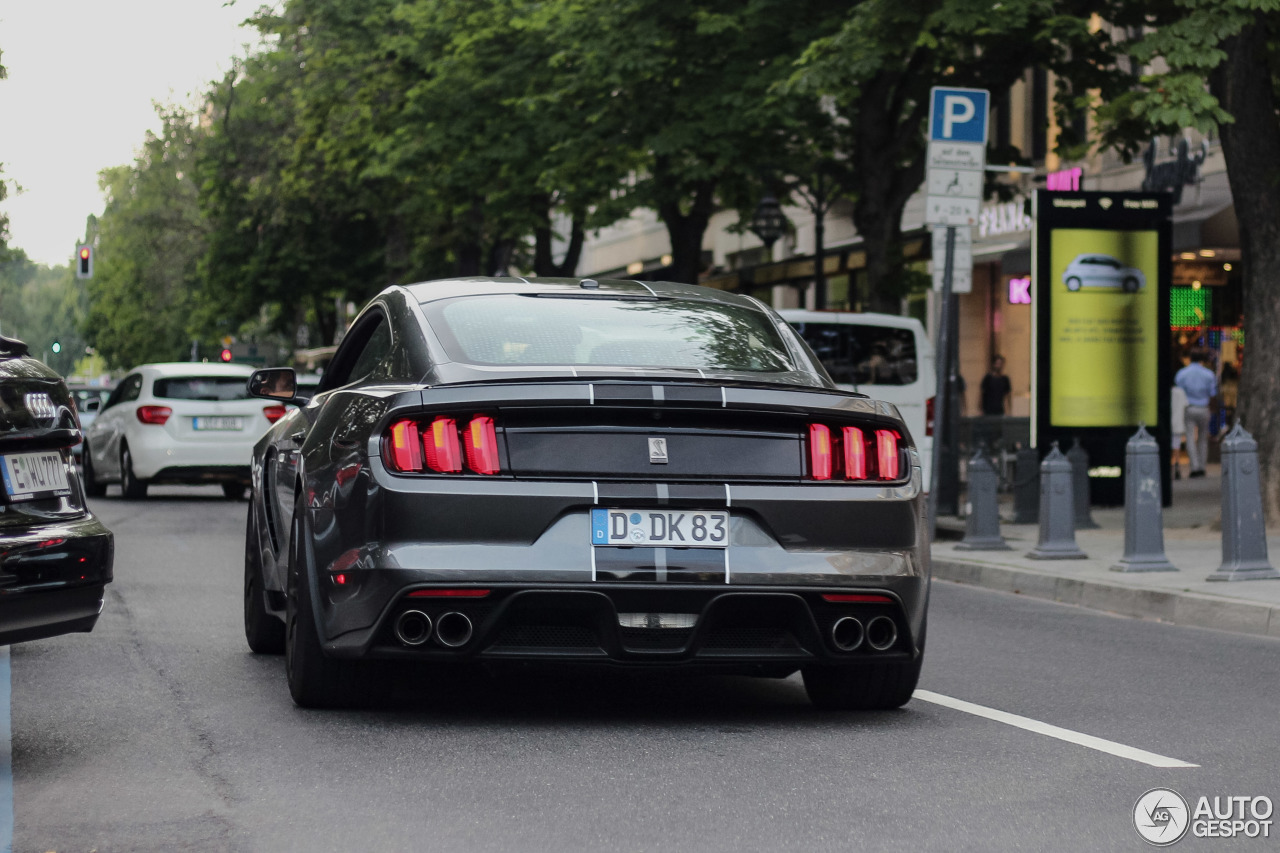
[(665, 528), (213, 423), (31, 476)]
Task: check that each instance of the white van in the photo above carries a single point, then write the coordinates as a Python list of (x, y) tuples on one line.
[(881, 355)]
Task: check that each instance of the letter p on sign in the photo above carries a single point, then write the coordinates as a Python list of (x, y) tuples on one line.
[(958, 115)]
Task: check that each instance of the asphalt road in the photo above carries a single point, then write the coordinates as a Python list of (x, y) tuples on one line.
[(160, 731)]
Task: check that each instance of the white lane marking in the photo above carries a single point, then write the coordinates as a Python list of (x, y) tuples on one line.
[(6, 756), (1108, 746)]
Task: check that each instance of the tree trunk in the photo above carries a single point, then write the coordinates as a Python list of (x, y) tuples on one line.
[(686, 231), (1251, 146), (543, 263)]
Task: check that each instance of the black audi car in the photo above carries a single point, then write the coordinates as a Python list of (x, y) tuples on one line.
[(635, 474), (55, 556)]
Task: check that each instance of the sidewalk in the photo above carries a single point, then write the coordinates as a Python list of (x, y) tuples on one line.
[(1192, 541)]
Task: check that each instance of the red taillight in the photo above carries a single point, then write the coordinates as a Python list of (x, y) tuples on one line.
[(406, 446), (481, 440), (887, 454), (443, 452), (819, 452), (928, 416), (449, 593), (855, 454), (340, 580), (274, 413), (840, 598), (154, 414)]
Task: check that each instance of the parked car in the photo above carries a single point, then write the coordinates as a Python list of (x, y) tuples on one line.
[(55, 556), (184, 422), (88, 400), (649, 475), (884, 356), (1102, 271)]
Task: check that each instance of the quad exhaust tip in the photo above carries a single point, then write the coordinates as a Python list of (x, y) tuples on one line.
[(413, 628), (847, 634), (453, 630), (882, 632)]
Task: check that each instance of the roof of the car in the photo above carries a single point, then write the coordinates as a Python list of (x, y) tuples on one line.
[(194, 368), (429, 291), (867, 318)]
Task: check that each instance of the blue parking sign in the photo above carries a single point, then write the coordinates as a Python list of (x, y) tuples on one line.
[(958, 115)]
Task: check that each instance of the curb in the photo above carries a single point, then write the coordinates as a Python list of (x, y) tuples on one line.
[(1175, 608)]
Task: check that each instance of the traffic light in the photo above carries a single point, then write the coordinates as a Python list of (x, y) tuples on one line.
[(226, 354), (57, 347), (84, 260)]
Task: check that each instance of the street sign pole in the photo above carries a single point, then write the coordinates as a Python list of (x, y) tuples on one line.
[(942, 393)]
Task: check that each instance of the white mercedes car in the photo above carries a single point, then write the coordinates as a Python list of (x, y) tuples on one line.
[(1102, 271), (184, 422)]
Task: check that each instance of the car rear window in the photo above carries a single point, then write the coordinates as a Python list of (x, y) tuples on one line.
[(607, 332), (863, 354), (202, 388)]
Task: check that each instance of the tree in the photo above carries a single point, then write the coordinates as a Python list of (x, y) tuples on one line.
[(880, 63), (1232, 45)]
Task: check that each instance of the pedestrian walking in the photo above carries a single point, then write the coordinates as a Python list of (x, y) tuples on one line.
[(1200, 386), (1177, 426), (995, 388)]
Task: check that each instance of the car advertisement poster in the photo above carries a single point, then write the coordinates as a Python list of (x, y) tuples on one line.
[(1103, 343), (1101, 266)]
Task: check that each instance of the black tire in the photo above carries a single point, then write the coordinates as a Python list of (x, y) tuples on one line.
[(234, 491), (263, 631), (315, 681), (1073, 284), (869, 687), (92, 488), (1130, 285), (130, 486)]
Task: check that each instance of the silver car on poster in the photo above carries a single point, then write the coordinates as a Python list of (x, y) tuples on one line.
[(1102, 271)]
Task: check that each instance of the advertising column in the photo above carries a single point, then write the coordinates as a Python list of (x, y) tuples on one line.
[(1101, 287)]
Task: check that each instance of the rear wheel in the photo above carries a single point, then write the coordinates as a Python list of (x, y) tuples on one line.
[(233, 491), (315, 681), (92, 487), (869, 687), (264, 632), (130, 485), (1073, 284), (1131, 285)]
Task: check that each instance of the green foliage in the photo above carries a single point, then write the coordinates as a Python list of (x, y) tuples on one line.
[(150, 240)]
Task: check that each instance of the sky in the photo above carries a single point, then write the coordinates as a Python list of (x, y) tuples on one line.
[(83, 77)]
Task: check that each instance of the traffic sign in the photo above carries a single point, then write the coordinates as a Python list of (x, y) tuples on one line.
[(957, 155), (955, 182), (951, 210), (958, 115)]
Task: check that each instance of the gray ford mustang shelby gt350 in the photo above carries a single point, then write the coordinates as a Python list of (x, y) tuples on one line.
[(634, 474)]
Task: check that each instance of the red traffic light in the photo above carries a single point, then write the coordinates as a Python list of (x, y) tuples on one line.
[(84, 253), (226, 354)]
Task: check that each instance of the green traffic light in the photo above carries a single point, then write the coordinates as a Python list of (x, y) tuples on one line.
[(57, 347)]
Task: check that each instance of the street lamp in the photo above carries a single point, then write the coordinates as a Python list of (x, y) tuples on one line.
[(767, 222)]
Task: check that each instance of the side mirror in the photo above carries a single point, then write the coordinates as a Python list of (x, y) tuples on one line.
[(274, 383), (93, 405)]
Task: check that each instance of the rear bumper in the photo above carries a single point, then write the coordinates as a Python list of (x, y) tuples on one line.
[(52, 579), (156, 451), (196, 474), (726, 628)]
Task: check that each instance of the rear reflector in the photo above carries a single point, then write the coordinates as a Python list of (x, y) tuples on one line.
[(443, 453), (274, 413), (863, 598), (481, 440), (887, 454), (855, 454), (928, 416), (406, 446), (819, 452), (154, 414), (449, 593)]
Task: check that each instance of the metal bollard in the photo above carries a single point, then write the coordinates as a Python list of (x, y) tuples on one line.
[(1143, 516), (1057, 512), (982, 529), (1026, 486), (1244, 531), (1079, 459)]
